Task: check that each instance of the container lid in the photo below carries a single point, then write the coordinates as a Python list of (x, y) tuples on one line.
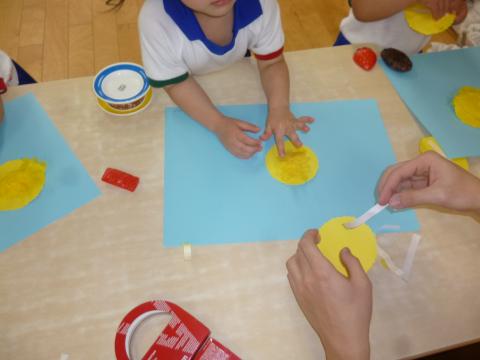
[(121, 83)]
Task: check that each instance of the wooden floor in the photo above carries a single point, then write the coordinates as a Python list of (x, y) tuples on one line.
[(58, 39)]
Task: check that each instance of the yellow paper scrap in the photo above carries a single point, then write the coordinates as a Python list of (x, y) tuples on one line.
[(466, 104), (420, 19), (429, 143), (298, 166), (21, 181), (361, 241)]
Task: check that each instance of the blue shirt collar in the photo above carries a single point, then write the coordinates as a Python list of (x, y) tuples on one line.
[(245, 12)]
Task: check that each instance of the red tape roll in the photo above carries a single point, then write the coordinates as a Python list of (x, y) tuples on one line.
[(184, 337)]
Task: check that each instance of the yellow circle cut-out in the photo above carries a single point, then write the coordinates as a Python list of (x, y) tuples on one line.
[(420, 19), (361, 241), (298, 166), (21, 181), (466, 104)]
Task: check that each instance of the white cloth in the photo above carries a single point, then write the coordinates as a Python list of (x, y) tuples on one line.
[(7, 70), (390, 32), (168, 51)]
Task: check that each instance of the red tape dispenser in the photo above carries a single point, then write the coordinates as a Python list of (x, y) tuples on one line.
[(184, 337)]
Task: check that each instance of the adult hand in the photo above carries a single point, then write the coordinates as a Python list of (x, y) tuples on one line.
[(429, 179), (338, 308)]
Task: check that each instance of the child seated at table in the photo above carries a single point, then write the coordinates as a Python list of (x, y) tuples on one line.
[(11, 74), (180, 38), (383, 23)]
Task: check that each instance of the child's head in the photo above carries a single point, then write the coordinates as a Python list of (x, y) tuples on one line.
[(213, 8)]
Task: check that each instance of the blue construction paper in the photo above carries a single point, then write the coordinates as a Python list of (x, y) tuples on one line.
[(28, 132), (428, 91), (213, 197)]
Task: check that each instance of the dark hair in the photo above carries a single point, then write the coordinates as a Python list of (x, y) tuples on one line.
[(115, 4)]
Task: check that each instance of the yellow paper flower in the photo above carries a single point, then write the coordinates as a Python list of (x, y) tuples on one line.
[(361, 241), (21, 181), (420, 19), (466, 104), (299, 165)]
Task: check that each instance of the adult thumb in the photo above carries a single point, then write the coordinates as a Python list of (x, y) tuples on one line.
[(352, 264)]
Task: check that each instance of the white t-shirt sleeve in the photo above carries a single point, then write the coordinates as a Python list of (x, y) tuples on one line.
[(159, 43), (270, 37), (7, 71)]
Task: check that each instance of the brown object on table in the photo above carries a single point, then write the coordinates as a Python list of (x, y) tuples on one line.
[(396, 60)]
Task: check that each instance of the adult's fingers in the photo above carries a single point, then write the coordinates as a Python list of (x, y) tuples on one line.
[(400, 173), (317, 261), (293, 269), (355, 270), (384, 177), (415, 197)]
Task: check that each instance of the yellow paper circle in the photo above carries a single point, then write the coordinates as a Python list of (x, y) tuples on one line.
[(21, 181), (298, 166), (466, 104), (429, 143), (420, 19), (361, 241)]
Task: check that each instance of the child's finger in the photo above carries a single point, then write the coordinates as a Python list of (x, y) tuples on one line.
[(280, 144), (244, 151), (306, 119), (247, 140), (295, 139), (246, 126), (267, 134)]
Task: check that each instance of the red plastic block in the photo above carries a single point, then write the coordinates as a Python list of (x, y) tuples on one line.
[(121, 179)]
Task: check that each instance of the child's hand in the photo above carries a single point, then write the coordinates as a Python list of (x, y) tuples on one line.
[(437, 7), (460, 9), (231, 133), (429, 179), (281, 122)]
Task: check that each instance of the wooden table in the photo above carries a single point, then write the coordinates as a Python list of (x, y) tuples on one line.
[(65, 289)]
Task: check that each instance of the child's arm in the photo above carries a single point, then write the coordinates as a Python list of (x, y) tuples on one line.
[(373, 10), (281, 122), (192, 99)]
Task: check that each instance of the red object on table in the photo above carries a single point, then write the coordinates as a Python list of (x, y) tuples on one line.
[(365, 58), (184, 338), (121, 179)]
